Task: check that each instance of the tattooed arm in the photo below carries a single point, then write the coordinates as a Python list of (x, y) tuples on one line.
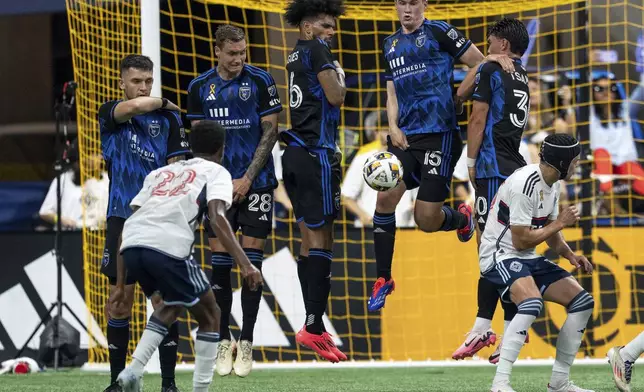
[(242, 185)]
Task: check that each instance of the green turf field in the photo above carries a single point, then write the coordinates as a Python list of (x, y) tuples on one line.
[(456, 379)]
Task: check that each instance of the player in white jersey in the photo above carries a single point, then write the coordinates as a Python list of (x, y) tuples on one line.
[(157, 246), (525, 213)]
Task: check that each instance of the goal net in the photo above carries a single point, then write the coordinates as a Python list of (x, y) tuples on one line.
[(574, 46)]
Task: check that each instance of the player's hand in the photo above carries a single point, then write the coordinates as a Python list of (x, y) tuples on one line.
[(580, 261), (503, 60), (172, 106), (569, 216), (240, 188), (252, 277), (398, 138), (472, 172)]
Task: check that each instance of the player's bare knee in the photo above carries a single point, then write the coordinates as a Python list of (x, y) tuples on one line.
[(427, 220), (156, 300), (386, 202), (321, 238), (522, 289)]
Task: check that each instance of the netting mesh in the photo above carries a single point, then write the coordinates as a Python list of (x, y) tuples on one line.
[(436, 276)]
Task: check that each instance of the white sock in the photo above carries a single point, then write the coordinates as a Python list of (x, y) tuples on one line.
[(151, 338), (514, 337), (569, 340), (506, 323), (633, 349), (481, 325), (205, 356)]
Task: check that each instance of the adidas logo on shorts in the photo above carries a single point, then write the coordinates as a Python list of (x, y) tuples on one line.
[(263, 218)]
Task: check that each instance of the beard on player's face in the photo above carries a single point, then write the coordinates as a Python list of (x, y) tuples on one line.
[(411, 12), (322, 28)]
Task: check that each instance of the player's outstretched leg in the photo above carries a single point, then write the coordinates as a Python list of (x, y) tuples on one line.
[(384, 239), (250, 307), (580, 309), (168, 352), (481, 334), (207, 314), (622, 360), (222, 264), (118, 335)]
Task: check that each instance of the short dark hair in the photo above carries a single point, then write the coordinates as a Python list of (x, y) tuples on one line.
[(136, 61), (561, 139), (514, 31), (207, 137), (228, 33), (298, 10)]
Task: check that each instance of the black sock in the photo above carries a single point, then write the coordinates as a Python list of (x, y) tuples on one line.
[(487, 297), (509, 310), (319, 278), (302, 265), (118, 337), (168, 354), (251, 299), (222, 264), (453, 219), (384, 238)]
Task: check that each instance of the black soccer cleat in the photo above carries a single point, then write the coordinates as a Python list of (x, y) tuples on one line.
[(115, 387), (171, 388)]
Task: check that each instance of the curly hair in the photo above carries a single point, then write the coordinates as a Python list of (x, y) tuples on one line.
[(298, 10), (514, 31)]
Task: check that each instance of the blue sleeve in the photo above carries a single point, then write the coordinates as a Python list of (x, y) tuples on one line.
[(177, 139), (195, 104), (450, 39), (269, 98), (485, 82), (387, 67), (321, 58), (106, 120)]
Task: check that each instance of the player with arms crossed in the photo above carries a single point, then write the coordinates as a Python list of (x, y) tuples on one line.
[(244, 100), (311, 166), (157, 248), (494, 132), (423, 131), (524, 214), (139, 134)]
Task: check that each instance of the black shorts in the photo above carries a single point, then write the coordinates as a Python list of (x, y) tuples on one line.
[(179, 282), (429, 163), (111, 251), (254, 215), (312, 180), (486, 189)]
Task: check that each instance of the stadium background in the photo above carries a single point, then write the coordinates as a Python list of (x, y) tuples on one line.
[(434, 304)]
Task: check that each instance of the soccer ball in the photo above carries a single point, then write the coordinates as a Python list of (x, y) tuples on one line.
[(382, 171)]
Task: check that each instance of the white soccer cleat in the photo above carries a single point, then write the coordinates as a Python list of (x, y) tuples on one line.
[(570, 387), (502, 387), (621, 369), (224, 363), (244, 360), (129, 381)]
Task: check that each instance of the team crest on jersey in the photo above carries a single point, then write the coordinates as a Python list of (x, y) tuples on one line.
[(420, 40), (541, 195), (154, 129), (182, 133), (244, 92), (477, 79), (452, 34), (516, 266), (106, 259), (272, 90)]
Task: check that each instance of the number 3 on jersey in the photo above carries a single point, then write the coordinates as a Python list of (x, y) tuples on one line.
[(522, 106), (295, 93), (173, 185)]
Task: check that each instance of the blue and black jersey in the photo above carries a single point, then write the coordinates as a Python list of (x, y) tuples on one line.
[(238, 105), (314, 121), (135, 148), (509, 99), (421, 64)]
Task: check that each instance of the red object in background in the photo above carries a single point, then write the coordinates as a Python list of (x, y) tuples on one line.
[(21, 368)]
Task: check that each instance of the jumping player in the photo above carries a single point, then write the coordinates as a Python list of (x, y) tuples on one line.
[(311, 166), (524, 214), (245, 101), (423, 131), (495, 128), (139, 134), (157, 248)]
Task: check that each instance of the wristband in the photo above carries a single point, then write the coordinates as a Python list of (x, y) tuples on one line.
[(164, 103), (471, 162), (340, 71)]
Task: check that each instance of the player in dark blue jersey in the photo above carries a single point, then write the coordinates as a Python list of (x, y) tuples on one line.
[(139, 134), (495, 128), (245, 101), (423, 131), (311, 166)]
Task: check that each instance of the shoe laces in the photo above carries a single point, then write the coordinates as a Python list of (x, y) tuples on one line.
[(247, 352), (222, 350), (628, 369)]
